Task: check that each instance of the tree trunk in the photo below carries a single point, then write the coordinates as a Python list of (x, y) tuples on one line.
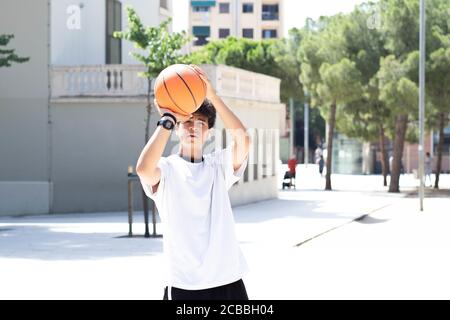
[(400, 133), (331, 124), (384, 159), (442, 118)]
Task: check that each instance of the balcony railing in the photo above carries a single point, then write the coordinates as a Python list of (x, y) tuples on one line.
[(98, 81), (122, 81), (242, 84)]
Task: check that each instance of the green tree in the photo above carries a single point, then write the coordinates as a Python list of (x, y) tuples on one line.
[(287, 55), (340, 85), (8, 56), (399, 72), (400, 94), (330, 77), (438, 74), (366, 117), (159, 49), (438, 88)]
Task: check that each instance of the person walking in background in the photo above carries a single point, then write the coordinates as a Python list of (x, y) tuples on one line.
[(321, 165), (428, 170), (317, 154), (292, 165), (391, 163), (289, 176)]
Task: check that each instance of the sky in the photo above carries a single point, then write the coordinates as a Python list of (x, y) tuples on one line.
[(295, 11)]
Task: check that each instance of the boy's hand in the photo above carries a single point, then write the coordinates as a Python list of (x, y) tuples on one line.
[(179, 117), (210, 92)]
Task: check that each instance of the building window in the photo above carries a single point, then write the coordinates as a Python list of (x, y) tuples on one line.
[(270, 12), (113, 23), (201, 33), (247, 8), (163, 4), (224, 7), (247, 33), (223, 33), (270, 33), (200, 9)]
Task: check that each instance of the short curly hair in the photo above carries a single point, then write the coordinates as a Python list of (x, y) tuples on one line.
[(208, 110)]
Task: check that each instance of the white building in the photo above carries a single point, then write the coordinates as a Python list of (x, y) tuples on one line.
[(252, 19), (81, 31), (70, 124)]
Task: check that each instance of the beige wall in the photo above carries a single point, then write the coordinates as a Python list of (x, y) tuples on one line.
[(262, 118), (93, 145), (24, 95)]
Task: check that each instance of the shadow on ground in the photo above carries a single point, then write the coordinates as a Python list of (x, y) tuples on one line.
[(370, 220), (45, 242), (431, 193), (311, 204)]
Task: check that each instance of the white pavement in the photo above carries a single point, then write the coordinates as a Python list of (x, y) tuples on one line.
[(83, 256)]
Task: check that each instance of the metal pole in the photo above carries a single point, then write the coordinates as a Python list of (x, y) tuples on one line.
[(145, 205), (291, 132), (306, 140), (50, 174), (154, 218), (130, 208), (422, 103), (130, 201)]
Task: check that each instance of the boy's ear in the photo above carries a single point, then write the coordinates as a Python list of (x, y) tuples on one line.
[(210, 134), (176, 129)]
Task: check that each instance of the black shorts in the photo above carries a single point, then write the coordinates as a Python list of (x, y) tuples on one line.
[(232, 291)]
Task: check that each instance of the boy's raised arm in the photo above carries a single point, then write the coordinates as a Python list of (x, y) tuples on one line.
[(147, 164), (241, 139)]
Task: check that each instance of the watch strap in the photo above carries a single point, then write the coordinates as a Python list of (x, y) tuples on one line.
[(163, 120), (166, 114)]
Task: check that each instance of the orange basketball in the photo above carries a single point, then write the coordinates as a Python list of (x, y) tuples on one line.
[(180, 89)]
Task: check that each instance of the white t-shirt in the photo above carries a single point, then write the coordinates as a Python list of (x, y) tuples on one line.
[(200, 243)]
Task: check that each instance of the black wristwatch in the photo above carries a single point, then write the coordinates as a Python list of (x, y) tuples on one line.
[(166, 123)]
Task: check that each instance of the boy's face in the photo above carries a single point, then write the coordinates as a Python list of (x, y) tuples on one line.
[(193, 132)]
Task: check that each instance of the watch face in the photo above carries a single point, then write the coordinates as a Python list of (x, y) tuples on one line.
[(168, 124)]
